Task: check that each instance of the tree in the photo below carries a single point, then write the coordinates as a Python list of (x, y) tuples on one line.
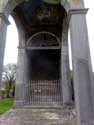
[(8, 78)]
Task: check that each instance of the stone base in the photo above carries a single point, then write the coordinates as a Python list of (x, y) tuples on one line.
[(69, 105), (18, 104)]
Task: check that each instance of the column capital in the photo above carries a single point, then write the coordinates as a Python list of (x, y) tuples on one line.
[(77, 11), (21, 47), (4, 18)]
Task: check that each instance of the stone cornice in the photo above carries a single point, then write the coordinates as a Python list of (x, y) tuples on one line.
[(2, 15), (39, 48), (78, 11)]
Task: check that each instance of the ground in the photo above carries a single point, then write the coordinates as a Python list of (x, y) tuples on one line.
[(29, 116)]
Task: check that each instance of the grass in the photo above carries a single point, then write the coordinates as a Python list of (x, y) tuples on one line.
[(5, 105)]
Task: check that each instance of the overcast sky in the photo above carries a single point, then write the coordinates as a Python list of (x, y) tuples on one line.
[(12, 36)]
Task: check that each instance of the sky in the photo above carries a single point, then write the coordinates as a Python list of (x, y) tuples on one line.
[(12, 40), (11, 50)]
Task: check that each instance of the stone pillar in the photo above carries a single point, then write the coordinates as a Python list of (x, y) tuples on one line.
[(3, 29), (22, 78), (26, 67), (81, 66), (19, 92), (21, 74), (65, 71)]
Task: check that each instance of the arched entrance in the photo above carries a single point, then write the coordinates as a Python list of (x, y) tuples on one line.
[(43, 85)]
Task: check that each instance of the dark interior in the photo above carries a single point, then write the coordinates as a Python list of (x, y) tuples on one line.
[(44, 64)]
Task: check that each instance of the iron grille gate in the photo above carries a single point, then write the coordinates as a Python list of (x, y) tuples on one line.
[(43, 92)]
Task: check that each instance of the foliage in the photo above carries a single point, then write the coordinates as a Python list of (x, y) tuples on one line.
[(9, 77), (5, 104)]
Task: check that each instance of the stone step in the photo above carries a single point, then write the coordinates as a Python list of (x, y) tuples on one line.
[(53, 106), (43, 107)]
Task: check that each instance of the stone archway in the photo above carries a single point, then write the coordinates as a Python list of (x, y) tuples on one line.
[(80, 52), (25, 32)]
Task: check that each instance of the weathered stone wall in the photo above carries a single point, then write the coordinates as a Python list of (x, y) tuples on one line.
[(81, 63)]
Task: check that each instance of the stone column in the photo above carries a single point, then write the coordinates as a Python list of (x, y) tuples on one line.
[(20, 79), (81, 66), (65, 71), (21, 68), (26, 67), (3, 29)]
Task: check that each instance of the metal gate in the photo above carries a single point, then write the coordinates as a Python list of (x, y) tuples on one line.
[(43, 92)]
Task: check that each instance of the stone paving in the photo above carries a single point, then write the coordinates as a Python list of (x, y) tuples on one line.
[(39, 117)]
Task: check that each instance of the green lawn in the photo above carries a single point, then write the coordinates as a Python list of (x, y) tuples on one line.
[(5, 104)]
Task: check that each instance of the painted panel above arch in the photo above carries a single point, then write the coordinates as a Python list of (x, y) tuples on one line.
[(36, 16), (7, 6)]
